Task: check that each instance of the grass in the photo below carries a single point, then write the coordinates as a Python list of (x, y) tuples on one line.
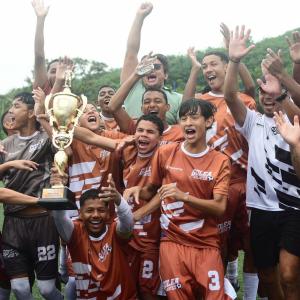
[(37, 296)]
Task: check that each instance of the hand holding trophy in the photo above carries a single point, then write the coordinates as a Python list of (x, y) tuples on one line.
[(64, 109)]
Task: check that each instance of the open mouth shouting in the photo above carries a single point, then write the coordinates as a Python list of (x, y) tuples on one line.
[(190, 132), (92, 119)]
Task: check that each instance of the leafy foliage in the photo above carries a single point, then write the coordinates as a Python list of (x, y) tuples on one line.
[(90, 75)]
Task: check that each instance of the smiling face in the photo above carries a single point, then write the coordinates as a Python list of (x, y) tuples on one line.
[(268, 103), (147, 136), (90, 119), (104, 96), (214, 70), (94, 213), (157, 77), (155, 103), (20, 114)]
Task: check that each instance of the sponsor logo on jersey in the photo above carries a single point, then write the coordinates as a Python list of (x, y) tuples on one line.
[(106, 249), (224, 227), (172, 284), (202, 175), (146, 172), (36, 146), (174, 168)]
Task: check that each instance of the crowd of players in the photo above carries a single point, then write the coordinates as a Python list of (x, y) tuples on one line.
[(169, 187)]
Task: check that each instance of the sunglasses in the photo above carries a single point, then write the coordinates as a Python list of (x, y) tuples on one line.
[(157, 66)]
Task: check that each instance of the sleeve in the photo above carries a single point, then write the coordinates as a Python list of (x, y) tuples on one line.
[(249, 123), (157, 167), (223, 178), (125, 217), (64, 224)]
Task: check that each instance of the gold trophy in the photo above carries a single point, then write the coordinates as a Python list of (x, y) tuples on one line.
[(64, 110)]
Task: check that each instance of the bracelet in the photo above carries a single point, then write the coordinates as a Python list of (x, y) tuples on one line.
[(234, 61), (282, 96)]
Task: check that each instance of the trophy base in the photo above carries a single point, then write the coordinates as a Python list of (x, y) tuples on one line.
[(57, 198)]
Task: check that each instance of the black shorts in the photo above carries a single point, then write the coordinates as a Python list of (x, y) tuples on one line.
[(271, 231), (29, 244)]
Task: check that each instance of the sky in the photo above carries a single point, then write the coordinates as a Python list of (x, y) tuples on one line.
[(98, 29)]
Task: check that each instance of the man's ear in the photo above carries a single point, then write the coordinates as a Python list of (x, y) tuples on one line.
[(166, 76), (168, 106), (31, 113), (209, 122)]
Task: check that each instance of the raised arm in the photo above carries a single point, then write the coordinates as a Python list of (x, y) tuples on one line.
[(63, 222), (244, 73), (274, 64), (295, 54), (237, 50), (291, 134), (40, 71), (190, 87), (133, 41), (125, 217)]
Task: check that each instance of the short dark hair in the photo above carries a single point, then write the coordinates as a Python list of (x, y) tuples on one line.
[(104, 86), (223, 56), (154, 119), (192, 106), (52, 62), (155, 89), (27, 99), (2, 120), (90, 195)]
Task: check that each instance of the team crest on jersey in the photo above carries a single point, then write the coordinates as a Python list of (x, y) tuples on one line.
[(145, 172), (202, 175), (106, 249), (172, 284), (36, 146)]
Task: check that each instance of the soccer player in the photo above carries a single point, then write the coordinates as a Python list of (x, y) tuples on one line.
[(23, 232), (154, 80), (272, 185), (98, 260), (153, 101), (225, 138), (193, 188), (104, 95)]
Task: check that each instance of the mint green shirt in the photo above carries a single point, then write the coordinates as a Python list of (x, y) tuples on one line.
[(133, 102)]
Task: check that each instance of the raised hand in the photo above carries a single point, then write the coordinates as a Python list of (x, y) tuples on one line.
[(110, 193), (192, 56), (40, 9), (39, 99), (145, 9), (226, 34), (271, 85), (56, 178), (294, 46), (273, 63), (238, 44), (23, 164), (64, 64), (289, 132), (128, 140)]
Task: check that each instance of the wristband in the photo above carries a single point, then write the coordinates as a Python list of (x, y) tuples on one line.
[(282, 96), (234, 61)]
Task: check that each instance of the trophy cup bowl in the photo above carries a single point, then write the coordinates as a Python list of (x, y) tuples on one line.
[(64, 110)]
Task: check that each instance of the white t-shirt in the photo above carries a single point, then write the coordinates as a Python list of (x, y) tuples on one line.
[(272, 183)]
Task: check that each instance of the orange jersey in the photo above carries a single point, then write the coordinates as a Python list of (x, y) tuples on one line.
[(223, 136), (137, 171), (99, 264), (89, 165), (170, 135), (201, 175), (110, 123)]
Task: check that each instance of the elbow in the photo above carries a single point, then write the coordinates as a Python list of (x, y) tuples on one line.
[(220, 211)]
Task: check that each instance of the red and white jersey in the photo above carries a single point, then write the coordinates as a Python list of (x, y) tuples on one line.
[(89, 166), (136, 172), (223, 136), (173, 134), (110, 123), (201, 175), (100, 267)]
